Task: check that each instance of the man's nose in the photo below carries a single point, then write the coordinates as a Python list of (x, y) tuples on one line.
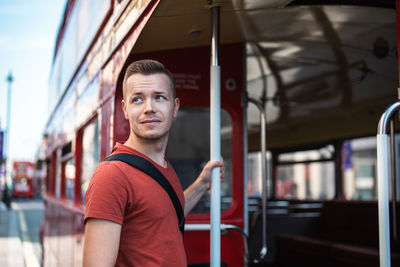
[(149, 106)]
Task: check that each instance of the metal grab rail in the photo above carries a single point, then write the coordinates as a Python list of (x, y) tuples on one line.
[(260, 107), (384, 176), (215, 138), (224, 228)]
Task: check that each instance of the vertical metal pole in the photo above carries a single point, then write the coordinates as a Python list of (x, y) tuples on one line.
[(383, 164), (384, 173), (393, 175), (215, 137), (10, 80), (245, 172), (264, 174)]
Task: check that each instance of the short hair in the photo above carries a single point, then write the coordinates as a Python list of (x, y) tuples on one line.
[(147, 67)]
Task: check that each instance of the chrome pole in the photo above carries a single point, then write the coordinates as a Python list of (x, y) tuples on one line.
[(215, 141), (384, 173), (264, 171), (245, 176), (393, 181)]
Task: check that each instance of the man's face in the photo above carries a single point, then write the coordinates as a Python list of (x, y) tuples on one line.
[(149, 105)]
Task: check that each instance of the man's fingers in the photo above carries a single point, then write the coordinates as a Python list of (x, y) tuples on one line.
[(214, 164), (220, 164)]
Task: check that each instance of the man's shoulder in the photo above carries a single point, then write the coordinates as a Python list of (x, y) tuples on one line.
[(116, 168), (108, 168)]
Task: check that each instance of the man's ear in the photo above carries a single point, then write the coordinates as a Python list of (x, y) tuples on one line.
[(176, 107), (124, 108)]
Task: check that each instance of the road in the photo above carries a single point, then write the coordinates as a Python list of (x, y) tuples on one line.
[(20, 233)]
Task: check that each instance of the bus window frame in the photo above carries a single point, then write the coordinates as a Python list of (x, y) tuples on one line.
[(64, 159), (356, 160), (79, 156), (47, 177), (333, 158), (232, 196), (57, 178), (51, 174)]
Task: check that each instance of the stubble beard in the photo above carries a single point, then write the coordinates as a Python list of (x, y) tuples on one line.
[(152, 138), (155, 138)]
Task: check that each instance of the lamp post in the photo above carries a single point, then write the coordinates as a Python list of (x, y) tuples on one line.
[(10, 80)]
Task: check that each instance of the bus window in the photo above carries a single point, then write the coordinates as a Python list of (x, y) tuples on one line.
[(306, 175), (67, 172), (52, 173), (254, 183), (57, 182), (90, 154), (189, 150), (70, 179), (48, 176), (359, 168)]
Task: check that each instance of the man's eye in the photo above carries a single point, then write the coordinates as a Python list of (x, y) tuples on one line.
[(160, 97), (137, 100)]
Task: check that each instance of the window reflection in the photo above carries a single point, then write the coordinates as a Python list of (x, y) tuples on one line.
[(70, 179), (90, 155), (189, 150), (254, 174), (359, 168), (306, 174)]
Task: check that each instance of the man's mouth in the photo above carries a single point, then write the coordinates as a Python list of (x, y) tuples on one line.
[(148, 121)]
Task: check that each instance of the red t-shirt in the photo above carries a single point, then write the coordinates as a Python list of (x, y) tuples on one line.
[(150, 234)]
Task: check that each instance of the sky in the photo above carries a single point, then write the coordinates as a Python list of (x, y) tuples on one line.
[(28, 30)]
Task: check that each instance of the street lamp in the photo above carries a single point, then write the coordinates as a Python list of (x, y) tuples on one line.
[(10, 80), (6, 196)]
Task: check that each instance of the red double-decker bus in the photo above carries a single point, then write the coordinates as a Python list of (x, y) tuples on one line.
[(23, 179), (302, 87)]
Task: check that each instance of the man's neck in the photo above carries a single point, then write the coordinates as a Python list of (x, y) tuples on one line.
[(153, 149)]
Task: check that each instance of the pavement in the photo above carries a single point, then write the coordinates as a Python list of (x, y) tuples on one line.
[(19, 233), (11, 249)]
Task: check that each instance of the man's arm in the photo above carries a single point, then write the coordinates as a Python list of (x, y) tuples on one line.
[(101, 243), (202, 184)]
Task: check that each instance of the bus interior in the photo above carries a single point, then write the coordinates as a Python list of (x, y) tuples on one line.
[(322, 73)]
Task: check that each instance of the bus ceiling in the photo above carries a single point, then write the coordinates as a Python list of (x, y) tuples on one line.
[(312, 65), (180, 23)]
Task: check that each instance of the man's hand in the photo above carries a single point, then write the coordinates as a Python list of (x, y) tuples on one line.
[(206, 174), (202, 184)]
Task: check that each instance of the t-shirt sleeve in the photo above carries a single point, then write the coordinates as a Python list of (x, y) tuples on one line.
[(107, 195)]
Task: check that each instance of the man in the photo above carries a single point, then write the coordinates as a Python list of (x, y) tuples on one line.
[(130, 220)]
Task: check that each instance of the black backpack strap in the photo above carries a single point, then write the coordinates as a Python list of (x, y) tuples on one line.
[(148, 168)]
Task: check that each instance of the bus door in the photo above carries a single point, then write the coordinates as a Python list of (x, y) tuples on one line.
[(189, 143)]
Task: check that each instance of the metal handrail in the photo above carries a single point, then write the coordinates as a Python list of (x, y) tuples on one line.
[(394, 184), (260, 107), (384, 176), (215, 138), (386, 116), (224, 228)]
